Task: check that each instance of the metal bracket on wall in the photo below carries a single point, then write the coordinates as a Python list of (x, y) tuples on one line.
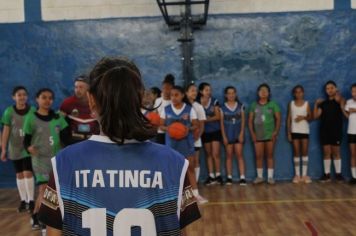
[(185, 15)]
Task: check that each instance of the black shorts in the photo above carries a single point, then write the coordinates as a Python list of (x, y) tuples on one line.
[(234, 142), (330, 139), (264, 141), (212, 136), (351, 138), (23, 165), (300, 136), (161, 138)]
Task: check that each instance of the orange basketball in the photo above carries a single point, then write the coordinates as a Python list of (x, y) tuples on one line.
[(177, 131), (154, 118)]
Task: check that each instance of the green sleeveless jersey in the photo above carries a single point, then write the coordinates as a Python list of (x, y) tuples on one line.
[(15, 122), (45, 134)]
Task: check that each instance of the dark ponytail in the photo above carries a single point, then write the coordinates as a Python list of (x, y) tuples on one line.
[(116, 86)]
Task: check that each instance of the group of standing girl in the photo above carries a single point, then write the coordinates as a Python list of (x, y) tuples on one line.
[(32, 137), (209, 123)]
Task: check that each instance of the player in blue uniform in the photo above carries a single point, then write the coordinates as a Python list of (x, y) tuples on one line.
[(232, 129), (118, 183), (181, 111), (212, 134)]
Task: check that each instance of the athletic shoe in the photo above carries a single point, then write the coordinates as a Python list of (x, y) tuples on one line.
[(258, 180), (242, 182), (209, 181), (352, 181), (228, 181), (201, 200), (219, 180), (22, 207), (31, 206), (339, 177), (306, 179), (43, 229), (271, 181), (34, 221), (296, 179), (325, 178)]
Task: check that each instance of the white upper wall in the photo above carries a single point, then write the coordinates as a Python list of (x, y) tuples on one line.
[(93, 9), (12, 11)]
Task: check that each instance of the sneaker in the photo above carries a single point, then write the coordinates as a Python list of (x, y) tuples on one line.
[(242, 182), (306, 179), (228, 181), (34, 221), (22, 207), (352, 181), (31, 206), (209, 181), (201, 200), (325, 178), (43, 229), (258, 180), (339, 177), (271, 181), (296, 179), (219, 180)]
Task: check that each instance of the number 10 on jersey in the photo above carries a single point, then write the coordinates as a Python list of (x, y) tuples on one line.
[(95, 220)]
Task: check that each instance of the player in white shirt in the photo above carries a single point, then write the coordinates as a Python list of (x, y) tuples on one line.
[(299, 115), (191, 93)]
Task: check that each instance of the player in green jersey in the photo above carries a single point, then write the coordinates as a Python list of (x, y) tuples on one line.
[(12, 146), (44, 130), (264, 123)]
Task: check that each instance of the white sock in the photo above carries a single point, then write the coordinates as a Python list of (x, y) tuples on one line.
[(337, 165), (305, 165), (211, 175), (195, 192), (327, 166), (30, 188), (217, 174), (270, 173), (197, 173), (242, 176), (296, 166), (259, 172), (229, 176), (353, 170), (22, 189)]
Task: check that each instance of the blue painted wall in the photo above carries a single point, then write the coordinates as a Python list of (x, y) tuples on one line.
[(243, 50)]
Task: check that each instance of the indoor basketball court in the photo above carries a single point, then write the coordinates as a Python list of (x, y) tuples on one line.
[(258, 96)]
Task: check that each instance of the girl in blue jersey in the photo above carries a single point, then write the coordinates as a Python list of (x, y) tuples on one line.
[(212, 134), (180, 110), (118, 183), (232, 129)]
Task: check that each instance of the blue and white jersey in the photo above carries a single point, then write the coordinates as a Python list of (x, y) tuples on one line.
[(212, 126), (232, 120), (185, 116), (105, 189)]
